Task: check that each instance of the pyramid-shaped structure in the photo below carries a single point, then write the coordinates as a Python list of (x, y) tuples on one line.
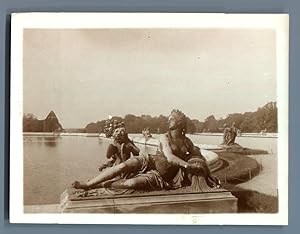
[(51, 123), (51, 115)]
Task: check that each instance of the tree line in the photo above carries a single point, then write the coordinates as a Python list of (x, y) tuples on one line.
[(263, 119), (31, 123)]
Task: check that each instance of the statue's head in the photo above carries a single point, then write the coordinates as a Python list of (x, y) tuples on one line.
[(120, 135), (177, 120)]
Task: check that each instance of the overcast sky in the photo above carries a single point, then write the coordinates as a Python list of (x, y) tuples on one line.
[(85, 75)]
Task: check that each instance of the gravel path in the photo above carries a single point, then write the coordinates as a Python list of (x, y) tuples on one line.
[(266, 181)]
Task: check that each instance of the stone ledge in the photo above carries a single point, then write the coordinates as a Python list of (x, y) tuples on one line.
[(216, 201)]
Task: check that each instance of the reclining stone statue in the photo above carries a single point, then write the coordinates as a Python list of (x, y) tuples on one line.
[(177, 163)]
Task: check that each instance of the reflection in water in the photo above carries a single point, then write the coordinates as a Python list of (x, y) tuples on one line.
[(50, 141), (100, 141), (52, 163)]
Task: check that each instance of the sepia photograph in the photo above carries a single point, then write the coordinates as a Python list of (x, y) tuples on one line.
[(149, 118)]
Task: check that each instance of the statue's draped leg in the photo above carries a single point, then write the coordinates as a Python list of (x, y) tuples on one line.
[(199, 184)]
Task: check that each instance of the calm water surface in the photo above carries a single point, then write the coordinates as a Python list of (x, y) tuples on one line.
[(52, 163)]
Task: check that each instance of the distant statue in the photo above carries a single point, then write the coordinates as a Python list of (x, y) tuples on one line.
[(177, 163), (226, 134), (146, 133), (263, 132), (229, 134)]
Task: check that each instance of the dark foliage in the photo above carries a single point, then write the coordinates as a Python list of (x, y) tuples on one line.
[(32, 124), (264, 119)]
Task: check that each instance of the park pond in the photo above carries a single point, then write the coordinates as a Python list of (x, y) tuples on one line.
[(52, 163)]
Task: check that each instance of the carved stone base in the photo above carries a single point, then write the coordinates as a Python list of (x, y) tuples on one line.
[(172, 201)]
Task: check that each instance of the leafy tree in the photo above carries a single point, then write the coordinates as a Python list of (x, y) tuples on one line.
[(210, 124), (264, 118), (31, 123)]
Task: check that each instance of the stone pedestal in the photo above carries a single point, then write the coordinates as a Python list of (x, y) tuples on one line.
[(178, 201)]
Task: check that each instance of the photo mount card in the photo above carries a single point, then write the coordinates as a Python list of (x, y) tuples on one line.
[(200, 99)]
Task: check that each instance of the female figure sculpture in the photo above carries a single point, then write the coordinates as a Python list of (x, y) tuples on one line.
[(166, 170)]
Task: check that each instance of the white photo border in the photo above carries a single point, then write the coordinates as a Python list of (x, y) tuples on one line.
[(278, 22)]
